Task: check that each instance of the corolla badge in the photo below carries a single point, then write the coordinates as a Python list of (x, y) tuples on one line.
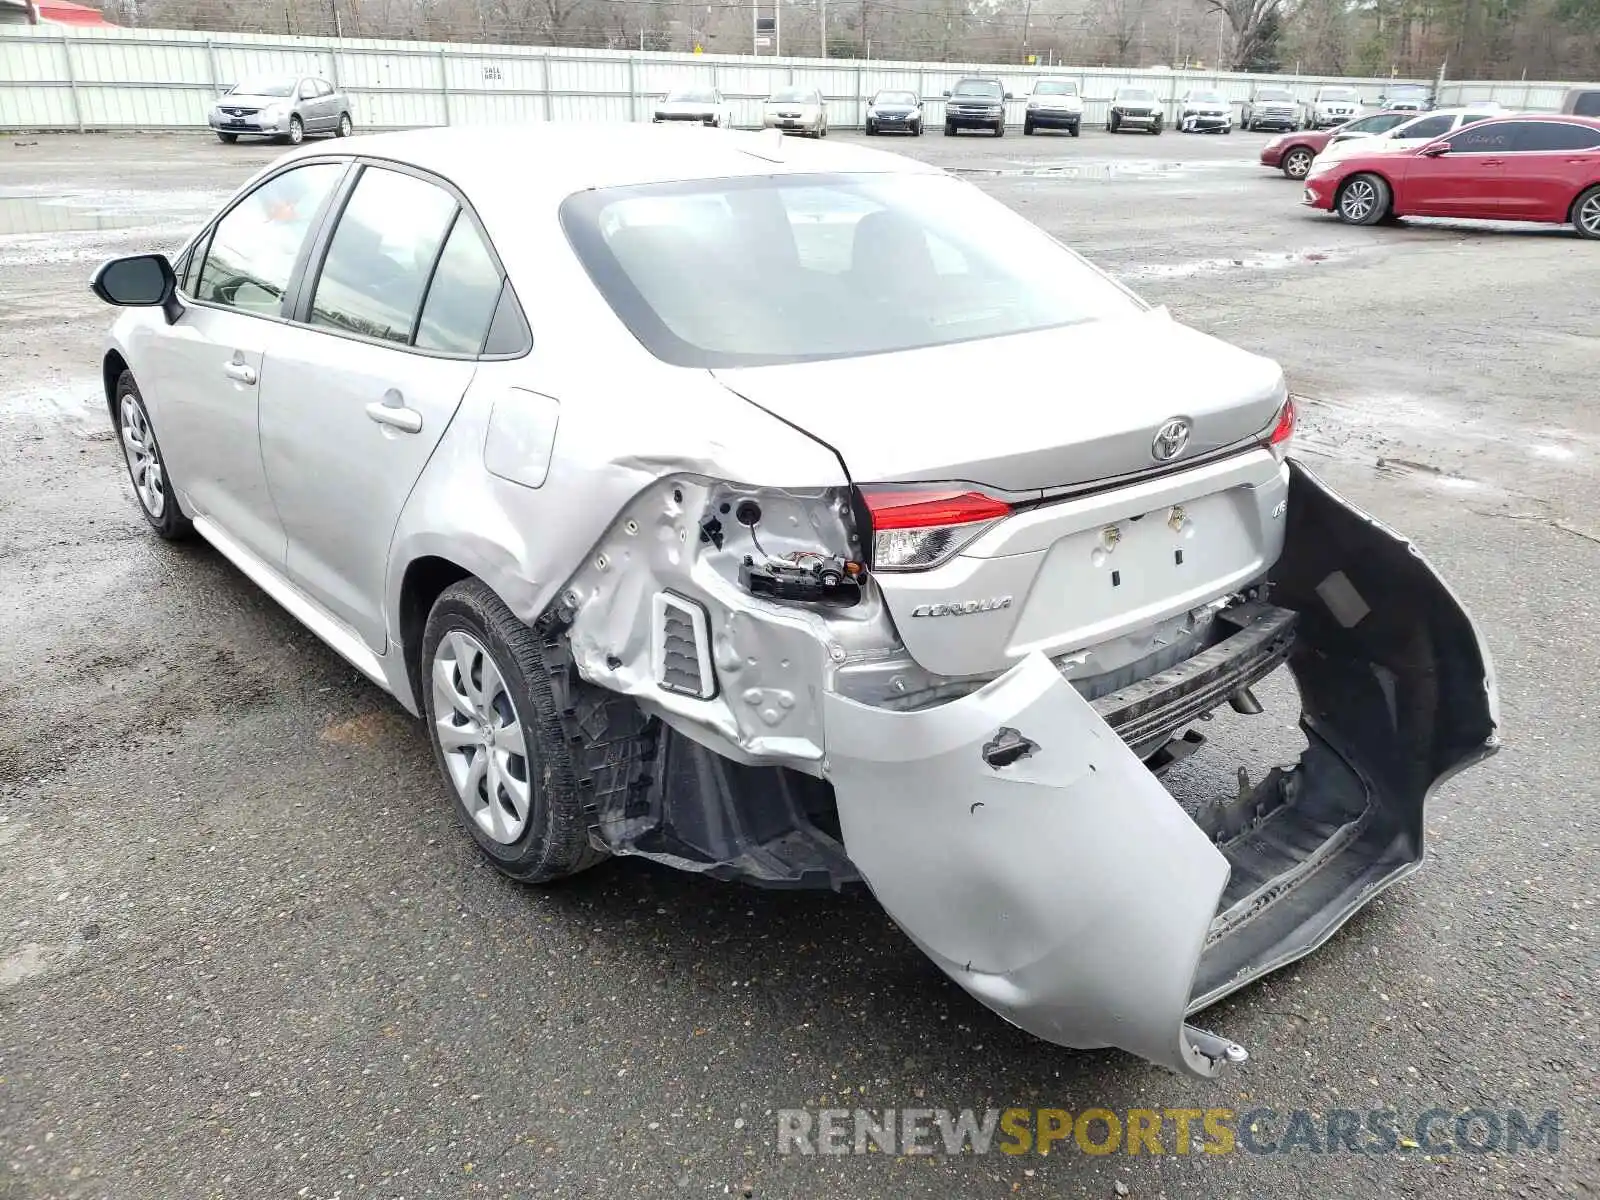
[(1170, 439), (962, 608)]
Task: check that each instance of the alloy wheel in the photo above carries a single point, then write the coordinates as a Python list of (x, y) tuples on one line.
[(144, 459), (1588, 216), (1358, 200), (1297, 164), (480, 733), (297, 131), (345, 128)]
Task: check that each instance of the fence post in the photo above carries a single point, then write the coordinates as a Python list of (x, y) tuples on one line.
[(860, 120), (633, 89), (444, 84), (211, 61), (72, 79), (333, 66), (544, 70)]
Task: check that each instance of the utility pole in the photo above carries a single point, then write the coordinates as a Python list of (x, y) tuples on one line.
[(1027, 14), (822, 22), (338, 25), (866, 45)]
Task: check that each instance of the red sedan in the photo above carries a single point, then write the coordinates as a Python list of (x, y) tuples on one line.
[(1292, 152), (1512, 169)]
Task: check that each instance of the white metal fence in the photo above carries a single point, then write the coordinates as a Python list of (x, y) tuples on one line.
[(68, 79)]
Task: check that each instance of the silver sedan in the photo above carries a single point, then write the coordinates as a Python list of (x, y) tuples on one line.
[(286, 108), (798, 514)]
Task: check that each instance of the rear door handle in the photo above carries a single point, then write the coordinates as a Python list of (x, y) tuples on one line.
[(392, 411), (239, 372)]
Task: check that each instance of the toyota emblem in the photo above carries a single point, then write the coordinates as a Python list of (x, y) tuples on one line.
[(1170, 440)]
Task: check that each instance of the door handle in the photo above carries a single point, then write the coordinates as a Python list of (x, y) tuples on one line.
[(392, 411), (239, 372), (1494, 162)]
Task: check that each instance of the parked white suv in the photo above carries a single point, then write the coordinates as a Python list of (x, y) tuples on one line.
[(1334, 105)]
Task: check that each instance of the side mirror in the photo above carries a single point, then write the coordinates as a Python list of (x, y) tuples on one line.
[(1009, 96), (141, 281), (1435, 149), (947, 93)]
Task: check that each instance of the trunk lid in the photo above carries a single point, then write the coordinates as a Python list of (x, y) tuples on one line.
[(1027, 413)]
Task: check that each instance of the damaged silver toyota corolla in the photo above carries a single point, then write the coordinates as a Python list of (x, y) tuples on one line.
[(797, 514)]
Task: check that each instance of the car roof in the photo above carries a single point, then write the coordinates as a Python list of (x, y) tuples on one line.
[(559, 158)]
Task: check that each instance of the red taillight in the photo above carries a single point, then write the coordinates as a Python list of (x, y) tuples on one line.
[(1284, 429), (920, 510), (915, 529)]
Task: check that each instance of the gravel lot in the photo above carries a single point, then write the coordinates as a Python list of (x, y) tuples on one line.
[(245, 952)]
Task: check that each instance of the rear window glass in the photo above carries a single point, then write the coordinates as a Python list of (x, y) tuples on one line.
[(747, 272)]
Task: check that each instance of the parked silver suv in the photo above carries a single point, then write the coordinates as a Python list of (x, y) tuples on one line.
[(286, 107), (701, 496)]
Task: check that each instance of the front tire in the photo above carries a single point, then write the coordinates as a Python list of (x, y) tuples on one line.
[(1362, 200), (1586, 214), (949, 129), (227, 139), (1000, 129), (1073, 130), (297, 131), (1027, 128), (147, 469), (916, 130), (1297, 162), (494, 720), (346, 126)]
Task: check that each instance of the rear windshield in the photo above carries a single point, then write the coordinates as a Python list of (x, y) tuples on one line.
[(794, 95), (1139, 94), (1055, 87), (693, 96), (265, 87), (978, 87), (796, 268)]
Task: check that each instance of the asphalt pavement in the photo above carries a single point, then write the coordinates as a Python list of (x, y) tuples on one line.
[(244, 950)]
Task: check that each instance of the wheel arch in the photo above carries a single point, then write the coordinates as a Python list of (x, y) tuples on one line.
[(422, 582), (111, 369), (1572, 205), (1344, 182)]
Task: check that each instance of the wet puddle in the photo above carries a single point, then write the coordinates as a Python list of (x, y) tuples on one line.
[(1279, 261), (1098, 169)]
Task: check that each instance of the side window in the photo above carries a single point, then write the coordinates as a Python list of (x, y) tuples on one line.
[(461, 298), (324, 88), (1427, 130), (1586, 105), (1493, 137), (381, 255), (308, 89), (1554, 135), (254, 247)]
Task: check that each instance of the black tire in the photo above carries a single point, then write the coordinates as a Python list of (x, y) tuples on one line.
[(227, 139), (916, 130), (1027, 128), (169, 523), (345, 127), (1113, 125), (297, 130), (949, 129), (1363, 199), (1073, 130), (538, 676), (1000, 129), (1296, 162), (869, 129), (1155, 130), (1585, 213)]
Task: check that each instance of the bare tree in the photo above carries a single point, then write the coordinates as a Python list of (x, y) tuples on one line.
[(1116, 25), (1248, 19)]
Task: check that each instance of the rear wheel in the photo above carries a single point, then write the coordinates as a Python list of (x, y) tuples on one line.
[(1297, 162), (227, 138), (346, 128), (495, 724), (1586, 213), (146, 467), (1362, 200)]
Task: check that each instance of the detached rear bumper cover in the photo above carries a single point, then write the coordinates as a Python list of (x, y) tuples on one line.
[(1032, 855)]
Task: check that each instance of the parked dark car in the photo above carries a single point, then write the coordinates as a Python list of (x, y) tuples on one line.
[(1512, 169), (892, 109), (976, 103), (1134, 108), (286, 108)]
